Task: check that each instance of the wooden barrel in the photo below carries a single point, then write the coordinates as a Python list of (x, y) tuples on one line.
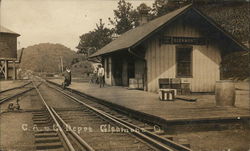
[(225, 93)]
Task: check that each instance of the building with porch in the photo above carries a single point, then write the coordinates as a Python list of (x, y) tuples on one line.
[(184, 45), (8, 53)]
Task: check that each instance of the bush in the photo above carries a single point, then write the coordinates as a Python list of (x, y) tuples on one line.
[(236, 65)]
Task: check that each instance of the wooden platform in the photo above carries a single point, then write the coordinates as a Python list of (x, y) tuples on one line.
[(170, 111)]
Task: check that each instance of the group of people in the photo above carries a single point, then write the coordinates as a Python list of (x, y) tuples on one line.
[(99, 73), (98, 76)]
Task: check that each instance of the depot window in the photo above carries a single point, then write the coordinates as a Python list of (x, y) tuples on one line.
[(184, 61)]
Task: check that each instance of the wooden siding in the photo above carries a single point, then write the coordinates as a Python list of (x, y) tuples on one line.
[(161, 59), (8, 47), (205, 68), (160, 63)]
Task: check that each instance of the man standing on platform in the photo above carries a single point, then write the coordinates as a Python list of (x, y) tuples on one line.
[(69, 72), (101, 76), (67, 77)]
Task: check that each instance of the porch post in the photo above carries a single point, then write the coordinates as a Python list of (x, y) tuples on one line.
[(6, 69), (145, 80), (112, 71), (14, 70)]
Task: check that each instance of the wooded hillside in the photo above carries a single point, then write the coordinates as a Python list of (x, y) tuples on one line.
[(45, 57)]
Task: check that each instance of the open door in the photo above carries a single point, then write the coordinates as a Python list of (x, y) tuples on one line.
[(131, 70), (117, 71)]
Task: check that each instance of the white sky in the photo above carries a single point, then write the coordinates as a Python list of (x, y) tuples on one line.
[(56, 21)]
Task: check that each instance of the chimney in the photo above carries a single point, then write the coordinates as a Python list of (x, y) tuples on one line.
[(143, 17)]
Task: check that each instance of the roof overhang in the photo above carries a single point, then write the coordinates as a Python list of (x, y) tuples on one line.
[(4, 30), (135, 34)]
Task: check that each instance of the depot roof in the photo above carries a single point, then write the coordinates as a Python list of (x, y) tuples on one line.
[(137, 35), (7, 31)]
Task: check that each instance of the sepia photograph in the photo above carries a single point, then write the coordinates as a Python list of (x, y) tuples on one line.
[(124, 75)]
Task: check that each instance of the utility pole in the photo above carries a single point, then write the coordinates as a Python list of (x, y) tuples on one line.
[(61, 60), (59, 66), (0, 11), (18, 45)]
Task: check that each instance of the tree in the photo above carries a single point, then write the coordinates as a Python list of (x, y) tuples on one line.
[(125, 17), (141, 10), (236, 65), (232, 17), (82, 67), (95, 40), (162, 7), (46, 57)]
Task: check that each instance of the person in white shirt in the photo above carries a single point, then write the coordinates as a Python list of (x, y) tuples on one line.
[(101, 76)]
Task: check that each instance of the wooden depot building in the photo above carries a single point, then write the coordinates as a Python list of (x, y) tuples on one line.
[(184, 46)]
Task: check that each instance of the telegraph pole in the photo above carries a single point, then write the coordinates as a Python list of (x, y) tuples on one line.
[(61, 60)]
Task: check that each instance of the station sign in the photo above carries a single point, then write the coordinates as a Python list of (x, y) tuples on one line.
[(183, 40)]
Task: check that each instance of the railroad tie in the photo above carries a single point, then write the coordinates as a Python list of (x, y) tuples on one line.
[(46, 138)]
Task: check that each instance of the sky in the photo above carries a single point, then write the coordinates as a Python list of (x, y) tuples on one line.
[(56, 21)]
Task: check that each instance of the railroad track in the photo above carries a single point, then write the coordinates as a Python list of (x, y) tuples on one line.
[(70, 139), (12, 93), (109, 128), (18, 87), (50, 133)]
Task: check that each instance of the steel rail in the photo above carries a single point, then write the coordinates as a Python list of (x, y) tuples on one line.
[(69, 145), (162, 144), (78, 138), (16, 87), (18, 94), (150, 134), (15, 95)]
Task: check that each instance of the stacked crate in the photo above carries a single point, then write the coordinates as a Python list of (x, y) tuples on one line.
[(176, 84), (140, 83), (179, 85), (164, 83), (136, 83), (185, 87)]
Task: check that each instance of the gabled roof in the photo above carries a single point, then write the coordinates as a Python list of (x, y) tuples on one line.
[(7, 31), (134, 36)]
